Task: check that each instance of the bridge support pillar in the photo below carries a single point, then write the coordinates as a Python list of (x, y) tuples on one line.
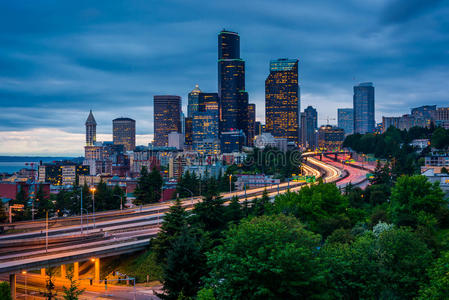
[(43, 272), (97, 270), (76, 268), (12, 285), (63, 272)]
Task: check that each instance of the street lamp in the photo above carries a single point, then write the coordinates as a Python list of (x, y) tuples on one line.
[(230, 183), (26, 291), (191, 193), (93, 190)]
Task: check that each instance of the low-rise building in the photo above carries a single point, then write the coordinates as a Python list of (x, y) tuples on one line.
[(330, 137)]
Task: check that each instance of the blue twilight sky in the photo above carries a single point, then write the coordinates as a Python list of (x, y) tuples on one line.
[(58, 59)]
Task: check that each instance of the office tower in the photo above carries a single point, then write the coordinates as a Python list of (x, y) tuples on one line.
[(330, 137), (309, 125), (442, 117), (231, 85), (192, 105), (282, 105), (91, 130), (257, 128), (364, 108), (346, 120), (188, 125), (387, 122), (251, 123), (232, 141), (167, 118), (124, 133), (205, 124)]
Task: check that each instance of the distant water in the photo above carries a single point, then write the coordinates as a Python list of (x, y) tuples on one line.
[(15, 163)]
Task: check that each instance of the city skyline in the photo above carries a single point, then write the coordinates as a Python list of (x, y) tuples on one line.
[(37, 82)]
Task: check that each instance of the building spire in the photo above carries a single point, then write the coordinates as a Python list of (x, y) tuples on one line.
[(90, 119)]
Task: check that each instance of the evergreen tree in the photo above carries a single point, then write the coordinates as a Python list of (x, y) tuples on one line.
[(21, 199), (174, 220), (73, 291), (210, 215), (234, 211), (42, 204), (156, 181), (186, 264), (143, 188), (118, 198)]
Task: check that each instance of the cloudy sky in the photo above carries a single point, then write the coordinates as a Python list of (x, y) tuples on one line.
[(58, 59)]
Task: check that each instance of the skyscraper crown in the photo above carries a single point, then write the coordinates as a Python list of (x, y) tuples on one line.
[(90, 119)]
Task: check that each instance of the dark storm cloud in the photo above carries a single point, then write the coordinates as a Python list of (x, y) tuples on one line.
[(58, 59)]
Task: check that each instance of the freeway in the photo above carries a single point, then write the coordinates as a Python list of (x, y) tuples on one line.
[(115, 232)]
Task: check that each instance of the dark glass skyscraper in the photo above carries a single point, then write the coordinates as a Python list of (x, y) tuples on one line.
[(282, 105), (251, 123), (231, 84), (167, 118), (309, 126), (364, 108), (192, 105), (124, 133), (346, 120)]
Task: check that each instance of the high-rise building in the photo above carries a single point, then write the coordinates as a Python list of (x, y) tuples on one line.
[(167, 118), (91, 130), (124, 133), (192, 105), (205, 124), (251, 123), (346, 120), (442, 117), (188, 125), (282, 104), (257, 128), (231, 85), (364, 108), (426, 112), (330, 137), (309, 126), (387, 122)]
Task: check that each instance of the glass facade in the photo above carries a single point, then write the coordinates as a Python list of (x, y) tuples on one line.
[(346, 120), (251, 123), (364, 108), (282, 104), (205, 124), (231, 84), (232, 141), (192, 105), (167, 118), (309, 126), (124, 133)]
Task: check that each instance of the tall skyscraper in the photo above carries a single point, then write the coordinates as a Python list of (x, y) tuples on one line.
[(124, 133), (346, 120), (205, 121), (251, 123), (91, 130), (426, 113), (309, 126), (364, 108), (282, 104), (192, 105), (167, 118), (231, 85)]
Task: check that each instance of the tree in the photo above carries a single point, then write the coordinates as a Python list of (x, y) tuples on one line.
[(73, 291), (210, 215), (42, 203), (261, 205), (50, 292), (389, 265), (185, 266), (234, 211), (118, 198), (412, 195), (143, 189), (438, 286), (268, 257), (3, 213), (5, 291), (174, 221), (440, 138), (156, 181)]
